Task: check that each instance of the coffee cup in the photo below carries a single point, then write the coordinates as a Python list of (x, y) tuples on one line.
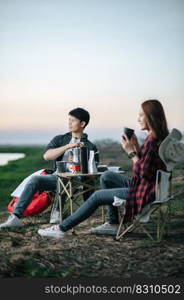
[(113, 168), (128, 131)]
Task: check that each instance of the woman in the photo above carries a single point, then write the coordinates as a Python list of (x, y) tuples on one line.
[(139, 190)]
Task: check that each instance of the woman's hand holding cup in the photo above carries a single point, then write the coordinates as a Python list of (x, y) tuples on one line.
[(127, 144)]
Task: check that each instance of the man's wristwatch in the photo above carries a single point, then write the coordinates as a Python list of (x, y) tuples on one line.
[(132, 154)]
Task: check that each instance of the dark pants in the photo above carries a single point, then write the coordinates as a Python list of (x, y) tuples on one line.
[(115, 185)]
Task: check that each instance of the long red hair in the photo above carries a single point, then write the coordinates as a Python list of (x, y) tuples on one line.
[(155, 118)]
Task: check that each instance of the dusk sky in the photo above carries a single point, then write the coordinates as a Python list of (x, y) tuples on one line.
[(106, 56)]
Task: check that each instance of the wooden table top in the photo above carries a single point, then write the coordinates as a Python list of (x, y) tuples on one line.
[(69, 174)]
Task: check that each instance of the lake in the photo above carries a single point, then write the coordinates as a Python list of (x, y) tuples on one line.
[(6, 157)]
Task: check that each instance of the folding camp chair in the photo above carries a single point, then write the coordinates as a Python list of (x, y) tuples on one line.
[(161, 206)]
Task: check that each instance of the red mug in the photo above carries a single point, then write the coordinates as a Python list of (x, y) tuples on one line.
[(75, 168)]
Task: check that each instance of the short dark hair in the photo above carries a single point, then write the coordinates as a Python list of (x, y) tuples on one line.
[(80, 114)]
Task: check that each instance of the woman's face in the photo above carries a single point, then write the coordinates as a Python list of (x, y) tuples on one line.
[(142, 120)]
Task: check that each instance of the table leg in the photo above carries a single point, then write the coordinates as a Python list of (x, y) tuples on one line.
[(60, 200), (56, 201), (71, 200), (71, 197)]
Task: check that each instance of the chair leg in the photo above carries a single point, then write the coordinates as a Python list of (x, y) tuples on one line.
[(168, 219), (167, 227), (158, 224), (164, 227), (146, 231), (119, 235), (119, 228), (162, 222)]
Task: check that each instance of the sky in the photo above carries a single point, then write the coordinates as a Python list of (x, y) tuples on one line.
[(106, 56)]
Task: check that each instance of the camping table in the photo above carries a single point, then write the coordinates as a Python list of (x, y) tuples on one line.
[(71, 186)]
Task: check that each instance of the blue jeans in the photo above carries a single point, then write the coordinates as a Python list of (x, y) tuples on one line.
[(113, 184), (39, 183), (36, 183)]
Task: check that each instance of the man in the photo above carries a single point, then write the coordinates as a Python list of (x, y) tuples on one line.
[(58, 149)]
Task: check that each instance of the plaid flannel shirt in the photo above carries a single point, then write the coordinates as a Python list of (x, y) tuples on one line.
[(142, 186)]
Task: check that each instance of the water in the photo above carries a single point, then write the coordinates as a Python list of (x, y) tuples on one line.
[(6, 157)]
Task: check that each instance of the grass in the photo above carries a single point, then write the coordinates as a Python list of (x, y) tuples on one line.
[(23, 253), (15, 171)]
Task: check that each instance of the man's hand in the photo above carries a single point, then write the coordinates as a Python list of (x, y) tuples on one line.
[(52, 154), (79, 144)]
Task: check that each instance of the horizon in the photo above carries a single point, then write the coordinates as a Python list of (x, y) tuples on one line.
[(44, 138), (105, 56)]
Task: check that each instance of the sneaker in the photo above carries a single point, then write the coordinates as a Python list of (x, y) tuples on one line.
[(13, 221), (53, 231), (106, 228), (55, 218)]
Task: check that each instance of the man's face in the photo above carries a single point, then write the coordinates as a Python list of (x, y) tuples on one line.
[(75, 124)]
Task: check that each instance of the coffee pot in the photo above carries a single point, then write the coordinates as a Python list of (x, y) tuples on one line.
[(76, 155), (80, 159)]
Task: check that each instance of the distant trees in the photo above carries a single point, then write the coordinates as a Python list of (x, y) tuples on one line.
[(111, 153), (106, 143)]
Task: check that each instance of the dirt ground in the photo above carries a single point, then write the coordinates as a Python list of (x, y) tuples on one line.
[(23, 253)]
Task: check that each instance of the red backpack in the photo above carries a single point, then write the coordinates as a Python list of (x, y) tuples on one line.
[(38, 204)]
